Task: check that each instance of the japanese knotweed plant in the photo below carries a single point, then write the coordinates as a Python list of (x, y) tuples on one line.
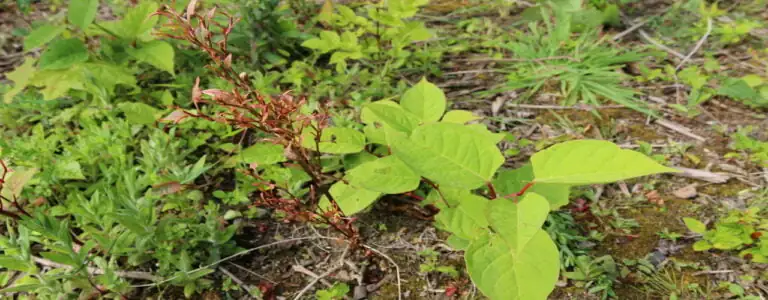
[(495, 215), (406, 148)]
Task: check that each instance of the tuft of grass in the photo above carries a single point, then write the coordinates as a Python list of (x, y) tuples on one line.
[(581, 63)]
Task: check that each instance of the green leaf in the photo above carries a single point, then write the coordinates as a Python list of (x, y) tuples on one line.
[(351, 199), (738, 89), (695, 225), (57, 83), (503, 273), (21, 77), (69, 169), (157, 53), (63, 54), (387, 175), (459, 117), (14, 263), (41, 36), (263, 154), (425, 100), (138, 21), (351, 161), (467, 220), (139, 113), (389, 114), (457, 243), (16, 180), (508, 182), (335, 140), (449, 154), (82, 12), (584, 162), (702, 246)]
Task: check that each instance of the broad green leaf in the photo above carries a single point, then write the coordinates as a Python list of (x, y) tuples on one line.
[(457, 243), (82, 12), (263, 154), (14, 263), (425, 100), (139, 113), (517, 223), (335, 140), (387, 175), (702, 246), (738, 89), (459, 117), (21, 77), (68, 169), (388, 113), (31, 287), (57, 83), (695, 225), (109, 75), (63, 54), (157, 53), (41, 36), (482, 130), (591, 162), (138, 21), (504, 273), (466, 220), (351, 199), (508, 182), (351, 161), (449, 154)]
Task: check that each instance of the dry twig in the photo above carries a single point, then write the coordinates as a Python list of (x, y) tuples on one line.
[(697, 46)]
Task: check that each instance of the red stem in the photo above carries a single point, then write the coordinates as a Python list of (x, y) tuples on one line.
[(491, 190), (521, 192), (414, 196)]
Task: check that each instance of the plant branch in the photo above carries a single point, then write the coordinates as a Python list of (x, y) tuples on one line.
[(96, 271)]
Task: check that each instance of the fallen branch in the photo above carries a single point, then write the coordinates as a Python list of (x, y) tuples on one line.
[(680, 129), (698, 45), (702, 175)]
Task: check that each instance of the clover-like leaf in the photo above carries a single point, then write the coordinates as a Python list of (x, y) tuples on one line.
[(591, 162), (508, 182), (424, 100), (335, 140), (449, 154), (386, 175)]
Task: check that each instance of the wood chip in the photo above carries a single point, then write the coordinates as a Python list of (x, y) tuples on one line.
[(686, 192)]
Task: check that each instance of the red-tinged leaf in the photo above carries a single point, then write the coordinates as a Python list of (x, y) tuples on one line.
[(175, 116), (196, 93), (167, 188), (191, 9)]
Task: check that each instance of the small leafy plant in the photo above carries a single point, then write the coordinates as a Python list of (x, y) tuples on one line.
[(741, 231)]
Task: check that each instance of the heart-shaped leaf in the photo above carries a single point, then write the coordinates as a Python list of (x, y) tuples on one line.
[(386, 175), (424, 100), (591, 162), (449, 154)]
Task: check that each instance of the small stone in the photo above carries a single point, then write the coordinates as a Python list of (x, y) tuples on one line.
[(360, 292), (686, 192)]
